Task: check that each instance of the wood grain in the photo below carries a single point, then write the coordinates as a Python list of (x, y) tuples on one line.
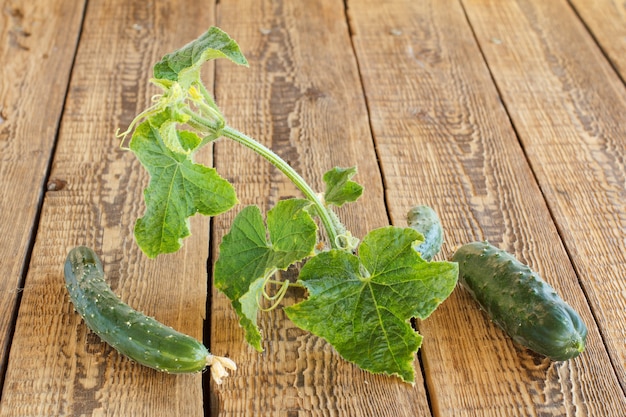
[(302, 97), (606, 19), (445, 139), (568, 106), (57, 367), (505, 116), (37, 43)]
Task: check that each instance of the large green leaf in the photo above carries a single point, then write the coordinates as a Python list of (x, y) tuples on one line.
[(362, 305), (178, 189), (249, 253)]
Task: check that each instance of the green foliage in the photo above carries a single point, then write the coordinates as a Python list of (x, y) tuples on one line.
[(178, 189), (339, 188), (249, 254), (184, 64), (361, 304)]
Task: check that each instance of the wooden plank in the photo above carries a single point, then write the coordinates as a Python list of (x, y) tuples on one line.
[(607, 21), (38, 41), (444, 139), (568, 106), (57, 367), (302, 97)]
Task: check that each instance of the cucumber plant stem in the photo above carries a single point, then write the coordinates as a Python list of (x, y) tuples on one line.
[(286, 169)]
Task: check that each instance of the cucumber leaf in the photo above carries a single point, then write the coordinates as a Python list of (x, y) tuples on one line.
[(184, 64), (339, 188), (249, 253), (240, 268), (178, 189), (362, 304)]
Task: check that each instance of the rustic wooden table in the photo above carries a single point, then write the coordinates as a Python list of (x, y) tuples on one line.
[(506, 116)]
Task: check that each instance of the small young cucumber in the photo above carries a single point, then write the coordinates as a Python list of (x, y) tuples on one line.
[(139, 337), (425, 220), (520, 302)]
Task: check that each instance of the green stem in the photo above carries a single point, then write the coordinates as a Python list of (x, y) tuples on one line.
[(208, 98), (328, 221), (286, 169), (201, 123)]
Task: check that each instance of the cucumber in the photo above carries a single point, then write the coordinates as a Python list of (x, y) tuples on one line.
[(135, 335), (515, 298), (425, 220)]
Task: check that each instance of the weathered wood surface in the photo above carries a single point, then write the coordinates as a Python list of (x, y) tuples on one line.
[(444, 137), (56, 367), (505, 116), (36, 39), (567, 106), (605, 19)]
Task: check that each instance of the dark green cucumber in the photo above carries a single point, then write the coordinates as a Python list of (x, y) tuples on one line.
[(139, 337), (515, 298), (425, 220)]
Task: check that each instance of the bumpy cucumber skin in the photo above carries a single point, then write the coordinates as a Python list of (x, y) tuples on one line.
[(425, 220), (520, 302), (137, 336)]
